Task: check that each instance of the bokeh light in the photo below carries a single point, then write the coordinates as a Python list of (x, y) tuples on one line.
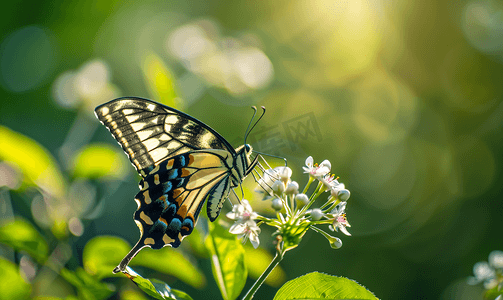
[(27, 58)]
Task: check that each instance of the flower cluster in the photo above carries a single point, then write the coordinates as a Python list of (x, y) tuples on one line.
[(295, 211), (490, 273)]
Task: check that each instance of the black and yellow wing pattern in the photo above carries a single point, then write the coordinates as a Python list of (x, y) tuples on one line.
[(183, 163)]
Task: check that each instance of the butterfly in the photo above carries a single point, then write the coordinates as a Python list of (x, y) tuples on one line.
[(183, 164)]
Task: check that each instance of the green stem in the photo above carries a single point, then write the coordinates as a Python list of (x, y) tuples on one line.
[(261, 279), (311, 179), (317, 192)]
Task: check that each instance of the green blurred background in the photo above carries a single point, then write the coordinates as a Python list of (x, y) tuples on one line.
[(403, 97)]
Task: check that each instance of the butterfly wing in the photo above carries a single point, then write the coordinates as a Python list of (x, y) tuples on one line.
[(150, 132)]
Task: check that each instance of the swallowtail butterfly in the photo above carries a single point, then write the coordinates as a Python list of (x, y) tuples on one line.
[(182, 162)]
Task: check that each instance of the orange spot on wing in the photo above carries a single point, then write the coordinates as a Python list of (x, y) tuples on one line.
[(170, 163), (177, 192), (163, 220), (187, 171), (182, 211), (181, 198)]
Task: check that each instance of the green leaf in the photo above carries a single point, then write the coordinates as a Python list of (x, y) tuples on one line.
[(37, 164), (102, 254), (257, 260), (155, 288), (12, 285), (22, 236), (228, 261), (88, 286), (100, 161), (322, 286), (160, 81), (171, 261)]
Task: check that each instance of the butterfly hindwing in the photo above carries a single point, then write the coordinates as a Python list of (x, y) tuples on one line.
[(150, 132), (173, 194)]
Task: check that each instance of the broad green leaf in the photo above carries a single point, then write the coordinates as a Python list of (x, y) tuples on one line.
[(257, 260), (89, 287), (160, 81), (22, 236), (100, 161), (12, 285), (155, 288), (322, 286), (228, 261), (102, 254), (171, 261), (37, 164)]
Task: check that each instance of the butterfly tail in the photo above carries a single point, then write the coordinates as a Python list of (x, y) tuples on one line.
[(125, 261)]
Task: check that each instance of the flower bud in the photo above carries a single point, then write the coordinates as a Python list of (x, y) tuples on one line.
[(277, 205), (343, 195), (278, 187), (292, 188), (284, 173), (335, 243), (302, 198), (316, 214)]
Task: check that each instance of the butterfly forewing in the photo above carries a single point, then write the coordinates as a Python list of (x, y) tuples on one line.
[(150, 132)]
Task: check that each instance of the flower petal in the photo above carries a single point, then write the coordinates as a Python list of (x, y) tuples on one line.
[(309, 162)]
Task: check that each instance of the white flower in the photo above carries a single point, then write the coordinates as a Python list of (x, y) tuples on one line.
[(487, 272), (339, 218), (284, 173), (339, 191), (245, 225), (272, 175), (496, 259), (317, 171), (247, 230), (242, 212), (331, 182), (483, 273)]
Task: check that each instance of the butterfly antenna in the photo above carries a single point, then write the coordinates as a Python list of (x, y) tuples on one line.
[(249, 124), (260, 118)]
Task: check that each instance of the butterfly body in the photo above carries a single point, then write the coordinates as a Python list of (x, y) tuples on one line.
[(183, 164)]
